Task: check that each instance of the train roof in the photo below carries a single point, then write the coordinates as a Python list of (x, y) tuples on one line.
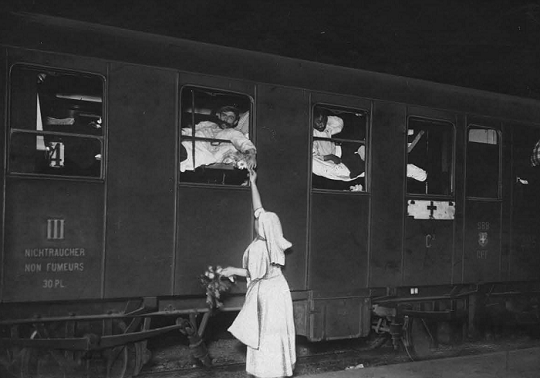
[(54, 34)]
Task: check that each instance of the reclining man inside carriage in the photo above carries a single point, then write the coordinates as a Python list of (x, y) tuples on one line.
[(338, 163), (218, 141)]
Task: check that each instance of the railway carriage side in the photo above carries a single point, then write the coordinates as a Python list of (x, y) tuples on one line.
[(403, 209)]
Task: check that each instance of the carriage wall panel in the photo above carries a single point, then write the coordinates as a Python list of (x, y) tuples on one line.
[(54, 240), (215, 225), (140, 181), (482, 253), (283, 136), (3, 76), (387, 186), (339, 240), (429, 245), (521, 246)]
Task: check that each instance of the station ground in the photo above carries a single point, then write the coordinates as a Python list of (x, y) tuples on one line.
[(523, 363), (504, 355)]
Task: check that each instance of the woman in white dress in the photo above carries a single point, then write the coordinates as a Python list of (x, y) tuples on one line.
[(265, 322)]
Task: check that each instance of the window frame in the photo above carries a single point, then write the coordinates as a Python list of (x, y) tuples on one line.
[(101, 139), (350, 109), (181, 138), (498, 133), (433, 119)]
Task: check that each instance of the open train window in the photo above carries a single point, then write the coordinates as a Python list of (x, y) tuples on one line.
[(56, 125), (339, 148), (429, 156), (483, 162), (215, 143)]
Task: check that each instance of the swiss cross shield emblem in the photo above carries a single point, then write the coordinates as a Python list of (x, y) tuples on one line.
[(482, 239)]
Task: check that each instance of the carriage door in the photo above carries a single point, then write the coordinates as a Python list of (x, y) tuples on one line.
[(429, 223), (482, 244), (340, 203), (54, 184), (524, 258), (213, 188)]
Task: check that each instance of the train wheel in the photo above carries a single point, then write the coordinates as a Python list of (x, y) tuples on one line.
[(374, 341), (8, 360), (41, 363), (121, 361), (418, 339), (44, 363), (142, 356), (378, 341)]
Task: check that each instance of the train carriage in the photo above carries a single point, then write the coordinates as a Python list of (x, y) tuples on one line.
[(112, 206)]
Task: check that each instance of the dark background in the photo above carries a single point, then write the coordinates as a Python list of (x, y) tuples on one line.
[(484, 44)]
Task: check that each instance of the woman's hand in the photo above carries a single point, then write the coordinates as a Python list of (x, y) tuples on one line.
[(226, 272), (232, 271), (252, 175)]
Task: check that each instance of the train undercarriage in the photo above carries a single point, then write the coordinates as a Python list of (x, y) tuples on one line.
[(110, 340)]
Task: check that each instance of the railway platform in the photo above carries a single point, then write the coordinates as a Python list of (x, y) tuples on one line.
[(522, 363)]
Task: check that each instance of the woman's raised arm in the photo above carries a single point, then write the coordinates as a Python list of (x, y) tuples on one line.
[(255, 195)]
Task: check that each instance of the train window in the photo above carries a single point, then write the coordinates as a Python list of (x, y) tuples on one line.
[(215, 143), (483, 162), (55, 122), (339, 148), (429, 156)]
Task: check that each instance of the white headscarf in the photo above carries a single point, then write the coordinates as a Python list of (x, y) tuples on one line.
[(270, 230)]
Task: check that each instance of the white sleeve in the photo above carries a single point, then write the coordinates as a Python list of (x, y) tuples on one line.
[(416, 173), (240, 142)]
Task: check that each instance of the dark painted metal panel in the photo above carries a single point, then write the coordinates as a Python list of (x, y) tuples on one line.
[(39, 264), (483, 217), (68, 62), (523, 259), (387, 185), (215, 82), (457, 272), (341, 101), (339, 241), (283, 135), (54, 238), (339, 318), (509, 182), (429, 243), (141, 181), (482, 241), (428, 252), (3, 76), (214, 228)]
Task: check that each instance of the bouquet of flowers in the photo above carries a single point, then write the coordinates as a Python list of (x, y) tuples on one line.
[(237, 159), (215, 285)]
